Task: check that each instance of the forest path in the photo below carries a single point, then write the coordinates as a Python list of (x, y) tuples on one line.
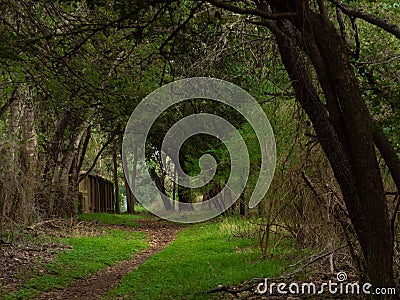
[(160, 234)]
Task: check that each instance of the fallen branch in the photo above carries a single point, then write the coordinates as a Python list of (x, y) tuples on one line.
[(319, 257), (3, 242), (44, 247), (228, 289), (32, 227)]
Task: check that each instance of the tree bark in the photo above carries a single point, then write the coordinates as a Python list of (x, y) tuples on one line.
[(183, 192), (67, 185), (84, 148), (345, 133), (160, 184), (117, 205), (130, 199), (130, 206)]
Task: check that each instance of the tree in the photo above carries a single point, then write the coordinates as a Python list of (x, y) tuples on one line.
[(306, 35)]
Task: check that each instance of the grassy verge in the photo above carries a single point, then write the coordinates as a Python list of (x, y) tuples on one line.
[(202, 257), (89, 254), (113, 219)]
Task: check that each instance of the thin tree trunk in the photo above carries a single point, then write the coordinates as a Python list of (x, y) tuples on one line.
[(116, 205), (160, 184), (84, 148), (130, 199), (183, 192), (130, 208), (174, 190), (388, 153)]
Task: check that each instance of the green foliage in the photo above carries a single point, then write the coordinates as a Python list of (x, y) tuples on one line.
[(140, 209), (203, 256)]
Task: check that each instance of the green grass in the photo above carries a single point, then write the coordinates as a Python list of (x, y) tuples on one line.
[(139, 208), (202, 257), (112, 219), (89, 254)]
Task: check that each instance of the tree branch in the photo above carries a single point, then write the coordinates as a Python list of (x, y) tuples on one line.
[(251, 11), (230, 290), (181, 26), (360, 14), (389, 155), (394, 217), (341, 24), (97, 158), (84, 147), (313, 260)]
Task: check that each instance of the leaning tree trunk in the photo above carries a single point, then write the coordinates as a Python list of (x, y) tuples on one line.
[(344, 126), (130, 189), (67, 189)]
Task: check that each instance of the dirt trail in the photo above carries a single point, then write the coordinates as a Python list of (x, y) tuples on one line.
[(160, 234)]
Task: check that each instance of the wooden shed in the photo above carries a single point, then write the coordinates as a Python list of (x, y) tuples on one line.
[(96, 194)]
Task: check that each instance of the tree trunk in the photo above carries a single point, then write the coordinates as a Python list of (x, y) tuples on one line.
[(343, 125), (160, 184), (183, 192), (130, 197), (116, 206), (84, 147), (183, 197), (130, 201), (23, 155), (344, 131), (242, 205), (67, 183), (174, 190)]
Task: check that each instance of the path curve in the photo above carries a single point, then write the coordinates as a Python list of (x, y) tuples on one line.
[(160, 234)]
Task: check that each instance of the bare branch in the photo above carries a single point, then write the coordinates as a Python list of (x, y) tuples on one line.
[(251, 11), (341, 24), (371, 63), (360, 14), (313, 260), (357, 50), (180, 26)]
